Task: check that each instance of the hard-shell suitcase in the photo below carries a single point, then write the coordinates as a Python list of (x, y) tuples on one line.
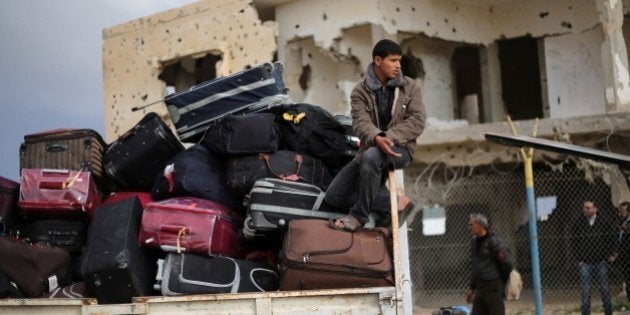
[(317, 256), (251, 90), (114, 267), (272, 203), (135, 158), (48, 193), (242, 172), (67, 234), (198, 274), (35, 268), (192, 225), (195, 172), (9, 216), (71, 149)]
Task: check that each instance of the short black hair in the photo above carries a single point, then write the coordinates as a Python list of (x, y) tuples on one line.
[(386, 47)]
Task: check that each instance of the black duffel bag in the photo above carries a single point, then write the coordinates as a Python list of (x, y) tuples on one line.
[(195, 172), (236, 135), (315, 131), (242, 172)]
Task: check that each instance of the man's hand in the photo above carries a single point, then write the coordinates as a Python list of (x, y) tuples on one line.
[(385, 144), (470, 293)]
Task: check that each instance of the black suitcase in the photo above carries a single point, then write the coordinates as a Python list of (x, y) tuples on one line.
[(242, 172), (251, 90), (272, 203), (195, 172), (135, 158), (67, 234), (115, 268), (196, 274), (71, 149)]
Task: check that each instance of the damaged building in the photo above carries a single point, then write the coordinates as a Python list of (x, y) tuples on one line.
[(557, 68)]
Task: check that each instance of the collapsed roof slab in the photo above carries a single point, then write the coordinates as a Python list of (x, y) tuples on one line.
[(467, 145)]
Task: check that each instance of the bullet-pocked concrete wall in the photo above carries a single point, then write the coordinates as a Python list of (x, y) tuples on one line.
[(574, 74), (432, 30), (135, 53), (326, 46)]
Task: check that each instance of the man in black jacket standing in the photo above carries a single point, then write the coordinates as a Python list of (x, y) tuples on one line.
[(593, 244), (491, 267), (623, 245)]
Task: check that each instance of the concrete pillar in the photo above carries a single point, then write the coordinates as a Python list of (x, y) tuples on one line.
[(614, 56), (494, 110)]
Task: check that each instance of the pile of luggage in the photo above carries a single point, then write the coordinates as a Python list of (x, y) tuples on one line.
[(239, 209)]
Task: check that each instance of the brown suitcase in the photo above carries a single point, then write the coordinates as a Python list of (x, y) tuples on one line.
[(71, 149), (316, 256), (36, 269)]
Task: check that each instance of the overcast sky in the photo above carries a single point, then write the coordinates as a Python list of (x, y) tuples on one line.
[(51, 68)]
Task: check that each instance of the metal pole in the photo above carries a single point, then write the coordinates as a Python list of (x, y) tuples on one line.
[(533, 234), (532, 218)]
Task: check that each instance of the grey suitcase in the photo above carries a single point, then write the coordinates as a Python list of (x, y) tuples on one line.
[(272, 203)]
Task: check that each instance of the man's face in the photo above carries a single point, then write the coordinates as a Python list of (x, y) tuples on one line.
[(475, 228), (623, 212), (388, 66), (589, 209)]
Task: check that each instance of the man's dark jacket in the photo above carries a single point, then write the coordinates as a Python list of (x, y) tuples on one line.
[(490, 260), (591, 244)]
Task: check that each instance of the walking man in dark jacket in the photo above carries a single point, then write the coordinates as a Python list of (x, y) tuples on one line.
[(622, 256), (387, 115), (593, 244), (491, 267)]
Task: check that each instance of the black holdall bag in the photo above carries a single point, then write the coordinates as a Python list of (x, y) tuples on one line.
[(242, 172), (236, 135), (195, 172), (199, 274), (67, 234)]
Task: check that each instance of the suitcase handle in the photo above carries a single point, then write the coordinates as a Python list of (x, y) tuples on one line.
[(292, 177), (56, 147), (62, 184), (181, 232)]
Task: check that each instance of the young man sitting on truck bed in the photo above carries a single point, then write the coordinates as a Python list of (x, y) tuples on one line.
[(387, 115)]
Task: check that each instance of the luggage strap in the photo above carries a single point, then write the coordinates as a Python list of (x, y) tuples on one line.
[(292, 177), (68, 182), (182, 232)]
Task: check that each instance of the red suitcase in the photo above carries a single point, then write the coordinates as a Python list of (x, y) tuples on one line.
[(9, 191), (58, 193), (192, 225)]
